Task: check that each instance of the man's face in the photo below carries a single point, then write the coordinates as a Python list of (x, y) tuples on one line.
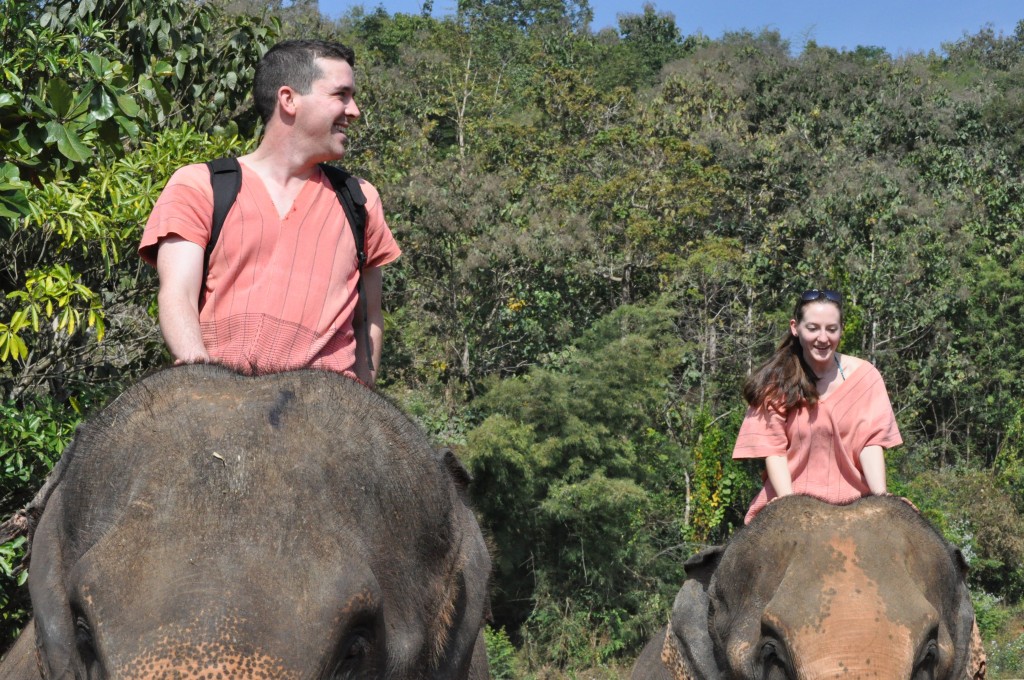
[(326, 111)]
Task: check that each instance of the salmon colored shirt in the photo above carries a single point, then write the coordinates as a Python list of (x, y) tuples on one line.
[(280, 293), (822, 443)]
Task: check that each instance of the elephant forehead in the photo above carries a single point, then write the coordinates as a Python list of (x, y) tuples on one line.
[(171, 653), (150, 555), (860, 612), (206, 616)]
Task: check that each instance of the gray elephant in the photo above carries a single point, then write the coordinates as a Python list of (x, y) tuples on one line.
[(811, 590), (297, 525)]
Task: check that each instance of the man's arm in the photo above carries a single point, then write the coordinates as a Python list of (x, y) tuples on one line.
[(372, 279), (179, 264)]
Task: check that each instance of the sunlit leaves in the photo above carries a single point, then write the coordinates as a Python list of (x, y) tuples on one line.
[(13, 202), (12, 345), (57, 293), (88, 226), (98, 74)]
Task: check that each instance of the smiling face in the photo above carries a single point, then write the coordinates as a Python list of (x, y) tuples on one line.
[(818, 332), (324, 113)]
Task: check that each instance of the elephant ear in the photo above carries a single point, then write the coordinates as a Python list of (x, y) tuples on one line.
[(689, 629), (455, 469), (702, 566), (20, 661), (461, 652), (51, 609), (968, 643), (977, 662)]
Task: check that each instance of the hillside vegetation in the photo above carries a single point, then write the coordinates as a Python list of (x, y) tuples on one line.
[(602, 234)]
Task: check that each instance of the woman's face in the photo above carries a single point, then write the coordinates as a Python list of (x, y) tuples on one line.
[(818, 332)]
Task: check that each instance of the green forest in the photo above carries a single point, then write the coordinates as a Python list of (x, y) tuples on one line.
[(603, 232)]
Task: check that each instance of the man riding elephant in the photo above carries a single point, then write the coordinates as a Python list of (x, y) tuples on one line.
[(812, 590), (295, 525)]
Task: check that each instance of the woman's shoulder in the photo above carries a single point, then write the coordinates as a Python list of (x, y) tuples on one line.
[(851, 364), (862, 368)]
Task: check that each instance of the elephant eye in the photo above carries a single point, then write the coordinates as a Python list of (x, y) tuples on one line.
[(86, 647), (927, 661), (354, 655), (774, 661)]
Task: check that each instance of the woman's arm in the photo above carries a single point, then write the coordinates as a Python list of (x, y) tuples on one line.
[(872, 462), (778, 474)]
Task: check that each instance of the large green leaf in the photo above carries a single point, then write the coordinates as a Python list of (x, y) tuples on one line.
[(102, 105), (131, 128), (127, 105), (163, 96), (99, 64), (60, 96), (13, 204), (82, 102), (163, 69), (68, 142), (8, 173), (64, 12)]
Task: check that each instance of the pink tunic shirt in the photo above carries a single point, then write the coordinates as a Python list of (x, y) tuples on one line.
[(281, 292), (822, 444)]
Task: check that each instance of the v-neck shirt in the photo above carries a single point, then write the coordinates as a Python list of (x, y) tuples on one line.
[(822, 443), (281, 291)]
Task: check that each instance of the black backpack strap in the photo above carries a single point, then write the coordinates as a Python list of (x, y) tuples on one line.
[(226, 179), (352, 199)]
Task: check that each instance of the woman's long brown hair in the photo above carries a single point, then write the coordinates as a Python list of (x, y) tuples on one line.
[(786, 379)]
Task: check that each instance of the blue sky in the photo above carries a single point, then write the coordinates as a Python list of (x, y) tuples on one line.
[(900, 26)]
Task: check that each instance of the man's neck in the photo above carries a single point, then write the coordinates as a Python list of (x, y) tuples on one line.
[(278, 166)]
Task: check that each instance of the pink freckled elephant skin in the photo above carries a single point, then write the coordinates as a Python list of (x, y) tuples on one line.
[(813, 591)]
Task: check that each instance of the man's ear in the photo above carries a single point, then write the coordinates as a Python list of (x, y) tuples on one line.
[(286, 100)]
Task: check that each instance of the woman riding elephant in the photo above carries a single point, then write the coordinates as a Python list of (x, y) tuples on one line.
[(820, 420)]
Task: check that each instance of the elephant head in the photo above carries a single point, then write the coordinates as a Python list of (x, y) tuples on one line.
[(811, 590), (289, 526)]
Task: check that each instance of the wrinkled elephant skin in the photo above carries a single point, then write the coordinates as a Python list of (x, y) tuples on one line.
[(811, 591), (212, 525)]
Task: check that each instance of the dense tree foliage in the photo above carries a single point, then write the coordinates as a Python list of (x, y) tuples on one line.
[(603, 233)]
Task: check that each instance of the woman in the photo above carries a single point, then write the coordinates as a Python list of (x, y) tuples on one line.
[(820, 420)]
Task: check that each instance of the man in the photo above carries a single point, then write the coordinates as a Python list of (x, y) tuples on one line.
[(280, 290)]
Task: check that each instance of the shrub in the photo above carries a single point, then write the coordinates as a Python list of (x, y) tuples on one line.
[(32, 437), (501, 655)]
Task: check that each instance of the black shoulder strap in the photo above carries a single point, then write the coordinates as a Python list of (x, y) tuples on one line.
[(352, 199), (226, 179)]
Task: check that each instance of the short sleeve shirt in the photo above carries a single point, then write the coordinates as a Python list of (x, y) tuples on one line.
[(280, 293), (822, 443)]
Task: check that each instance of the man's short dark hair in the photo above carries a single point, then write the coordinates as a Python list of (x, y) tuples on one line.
[(292, 63)]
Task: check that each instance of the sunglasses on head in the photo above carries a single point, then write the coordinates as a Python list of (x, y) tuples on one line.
[(815, 294)]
